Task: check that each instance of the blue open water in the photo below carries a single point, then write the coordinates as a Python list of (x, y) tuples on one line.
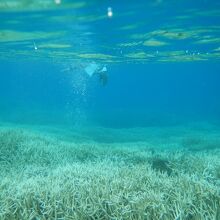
[(162, 60)]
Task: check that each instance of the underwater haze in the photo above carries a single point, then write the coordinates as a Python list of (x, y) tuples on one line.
[(109, 110)]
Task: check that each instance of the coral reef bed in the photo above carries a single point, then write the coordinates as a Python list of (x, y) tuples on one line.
[(46, 177)]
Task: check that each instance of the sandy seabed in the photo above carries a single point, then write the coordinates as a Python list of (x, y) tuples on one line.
[(98, 173)]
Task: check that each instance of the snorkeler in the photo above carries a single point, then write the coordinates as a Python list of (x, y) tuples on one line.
[(91, 69), (95, 69), (103, 77)]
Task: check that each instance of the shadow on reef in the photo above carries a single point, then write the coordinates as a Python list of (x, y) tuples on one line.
[(161, 165)]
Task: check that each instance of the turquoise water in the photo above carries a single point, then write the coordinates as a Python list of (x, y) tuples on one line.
[(162, 62), (109, 109)]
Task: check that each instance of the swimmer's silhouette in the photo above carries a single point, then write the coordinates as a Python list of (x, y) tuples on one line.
[(103, 78), (92, 69), (101, 72)]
